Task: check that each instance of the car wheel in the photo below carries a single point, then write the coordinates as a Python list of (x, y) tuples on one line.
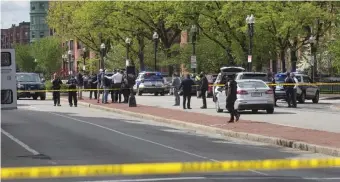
[(139, 92), (316, 98), (254, 111), (35, 97), (218, 109), (302, 98), (156, 94), (162, 94), (270, 111), (43, 97)]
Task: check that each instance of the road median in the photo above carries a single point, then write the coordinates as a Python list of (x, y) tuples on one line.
[(292, 137)]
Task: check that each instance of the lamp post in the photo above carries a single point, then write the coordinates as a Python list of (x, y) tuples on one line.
[(155, 38), (193, 31), (70, 62), (84, 57), (312, 51), (102, 55), (128, 43), (250, 20), (130, 74), (64, 57)]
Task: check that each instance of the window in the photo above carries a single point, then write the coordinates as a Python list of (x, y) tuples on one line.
[(306, 79), (28, 77), (256, 76), (41, 34), (152, 76), (280, 78), (32, 21), (32, 7), (6, 96), (42, 20), (41, 5), (252, 84), (71, 45), (6, 59), (78, 45), (33, 35)]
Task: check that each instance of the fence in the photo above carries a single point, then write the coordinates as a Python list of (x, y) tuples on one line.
[(330, 89)]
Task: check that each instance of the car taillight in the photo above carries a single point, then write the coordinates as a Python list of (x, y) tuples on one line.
[(269, 92), (242, 92)]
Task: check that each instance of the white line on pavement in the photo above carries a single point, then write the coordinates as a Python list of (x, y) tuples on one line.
[(151, 179), (142, 139), (22, 144)]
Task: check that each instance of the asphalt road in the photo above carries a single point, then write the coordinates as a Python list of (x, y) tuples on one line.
[(40, 134)]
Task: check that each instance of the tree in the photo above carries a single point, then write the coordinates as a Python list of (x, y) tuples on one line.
[(24, 58), (48, 51)]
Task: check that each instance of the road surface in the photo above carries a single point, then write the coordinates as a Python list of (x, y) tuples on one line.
[(40, 134)]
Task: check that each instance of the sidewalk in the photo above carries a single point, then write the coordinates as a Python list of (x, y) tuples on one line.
[(303, 139)]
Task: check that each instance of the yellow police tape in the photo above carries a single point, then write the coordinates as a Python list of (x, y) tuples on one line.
[(220, 85), (164, 168)]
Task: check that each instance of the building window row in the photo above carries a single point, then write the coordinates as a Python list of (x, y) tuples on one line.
[(41, 6)]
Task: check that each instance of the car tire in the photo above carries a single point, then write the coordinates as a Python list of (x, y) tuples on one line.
[(254, 111), (156, 94), (218, 109), (302, 98), (316, 98), (162, 93), (270, 111), (35, 97), (43, 97)]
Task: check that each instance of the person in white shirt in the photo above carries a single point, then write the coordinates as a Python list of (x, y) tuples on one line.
[(295, 89), (117, 79)]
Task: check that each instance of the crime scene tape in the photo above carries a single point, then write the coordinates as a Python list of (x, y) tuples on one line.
[(219, 85), (164, 168)]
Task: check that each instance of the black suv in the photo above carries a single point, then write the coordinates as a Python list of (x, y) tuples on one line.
[(30, 85)]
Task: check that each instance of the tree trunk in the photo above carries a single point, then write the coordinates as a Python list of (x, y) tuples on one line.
[(283, 59), (141, 53)]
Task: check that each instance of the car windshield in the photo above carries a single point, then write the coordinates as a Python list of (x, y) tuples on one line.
[(28, 78), (280, 78), (251, 84), (255, 76), (153, 76)]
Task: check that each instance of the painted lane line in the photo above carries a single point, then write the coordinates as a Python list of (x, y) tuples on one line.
[(145, 140), (151, 179), (22, 144)]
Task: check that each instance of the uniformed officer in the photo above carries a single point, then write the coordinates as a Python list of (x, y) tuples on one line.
[(72, 93), (289, 88), (176, 83), (204, 88), (93, 84), (187, 87), (56, 85), (231, 98)]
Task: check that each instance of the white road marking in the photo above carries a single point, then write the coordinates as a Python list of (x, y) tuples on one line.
[(219, 178), (142, 139), (22, 144)]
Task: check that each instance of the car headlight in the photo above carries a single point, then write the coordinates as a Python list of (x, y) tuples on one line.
[(20, 86)]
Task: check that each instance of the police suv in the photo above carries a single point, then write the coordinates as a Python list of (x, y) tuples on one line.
[(149, 82)]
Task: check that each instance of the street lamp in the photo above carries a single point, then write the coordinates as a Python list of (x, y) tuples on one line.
[(84, 57), (70, 62), (155, 38), (193, 31), (250, 20), (130, 74), (312, 60), (102, 53), (128, 43)]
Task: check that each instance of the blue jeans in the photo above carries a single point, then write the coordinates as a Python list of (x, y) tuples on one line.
[(105, 94)]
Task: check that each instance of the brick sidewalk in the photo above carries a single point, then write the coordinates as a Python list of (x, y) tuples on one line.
[(322, 138)]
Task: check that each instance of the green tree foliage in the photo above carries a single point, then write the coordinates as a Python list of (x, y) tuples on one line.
[(47, 51), (24, 58)]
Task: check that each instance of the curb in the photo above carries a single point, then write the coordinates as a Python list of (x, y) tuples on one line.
[(228, 133)]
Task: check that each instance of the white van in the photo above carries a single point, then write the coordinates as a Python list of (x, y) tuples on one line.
[(8, 79)]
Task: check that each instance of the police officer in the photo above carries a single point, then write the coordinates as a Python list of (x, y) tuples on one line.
[(72, 93), (231, 98), (93, 86), (117, 79), (176, 83), (289, 88), (187, 84), (204, 88), (56, 85), (80, 79)]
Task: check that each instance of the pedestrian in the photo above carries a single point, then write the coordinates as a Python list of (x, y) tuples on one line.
[(106, 82), (187, 87), (272, 81), (176, 83), (72, 93), (117, 79), (294, 95), (99, 84), (204, 88), (56, 85), (289, 88), (93, 86), (231, 98), (125, 89), (80, 79)]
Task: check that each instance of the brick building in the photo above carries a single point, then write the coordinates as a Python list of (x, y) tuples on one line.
[(15, 35)]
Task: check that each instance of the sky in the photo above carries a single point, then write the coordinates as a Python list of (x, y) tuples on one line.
[(14, 12)]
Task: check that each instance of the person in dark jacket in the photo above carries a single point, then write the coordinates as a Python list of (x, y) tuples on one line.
[(72, 93), (231, 98), (93, 86), (99, 84), (289, 88), (80, 80), (56, 85), (204, 88), (187, 87)]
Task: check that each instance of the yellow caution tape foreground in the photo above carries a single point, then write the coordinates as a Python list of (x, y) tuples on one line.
[(221, 85), (164, 168)]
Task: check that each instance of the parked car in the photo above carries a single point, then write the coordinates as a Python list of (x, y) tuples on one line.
[(309, 92), (211, 80), (251, 95), (30, 85), (149, 82), (252, 75)]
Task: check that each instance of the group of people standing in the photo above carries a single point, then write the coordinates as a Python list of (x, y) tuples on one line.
[(72, 84), (187, 84)]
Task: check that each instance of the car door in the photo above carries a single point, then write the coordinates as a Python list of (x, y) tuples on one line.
[(311, 89)]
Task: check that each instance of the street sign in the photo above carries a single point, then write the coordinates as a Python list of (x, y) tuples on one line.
[(249, 58), (193, 62), (127, 62)]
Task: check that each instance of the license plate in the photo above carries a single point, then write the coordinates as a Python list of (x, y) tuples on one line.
[(256, 94)]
